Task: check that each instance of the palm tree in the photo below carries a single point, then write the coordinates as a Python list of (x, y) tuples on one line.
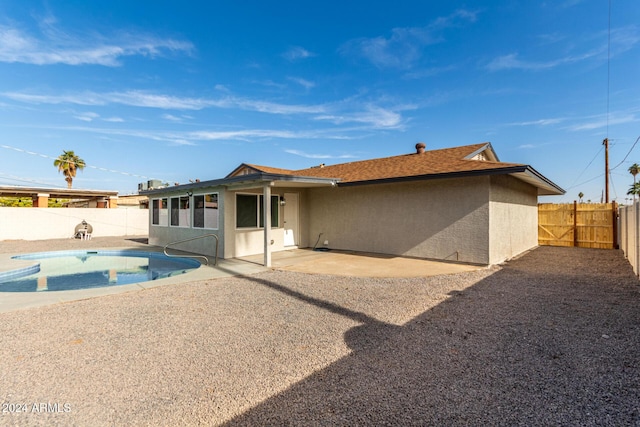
[(580, 196), (634, 189), (68, 163), (634, 169)]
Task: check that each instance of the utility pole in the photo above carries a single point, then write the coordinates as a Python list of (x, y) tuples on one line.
[(606, 169)]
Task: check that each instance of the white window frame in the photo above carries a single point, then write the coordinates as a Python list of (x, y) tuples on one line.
[(181, 215), (160, 210), (258, 211), (217, 209)]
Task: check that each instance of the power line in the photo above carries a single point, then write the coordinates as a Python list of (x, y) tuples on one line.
[(31, 181), (629, 152), (587, 181), (585, 169), (33, 153)]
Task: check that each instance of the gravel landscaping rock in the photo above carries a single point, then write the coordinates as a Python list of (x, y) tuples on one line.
[(551, 338)]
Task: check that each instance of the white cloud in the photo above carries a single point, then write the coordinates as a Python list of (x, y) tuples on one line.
[(145, 99), (270, 107), (347, 111), (222, 88), (131, 98), (194, 137), (375, 116), (302, 82), (244, 134), (601, 121), (622, 40), (429, 72), (571, 3), (183, 142), (86, 98), (540, 122), (55, 47), (403, 47), (319, 156), (171, 118), (296, 52), (87, 117), (511, 61)]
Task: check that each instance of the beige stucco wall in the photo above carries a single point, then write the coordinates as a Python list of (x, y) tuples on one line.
[(60, 223), (513, 218), (244, 242), (161, 235), (442, 219), (482, 220)]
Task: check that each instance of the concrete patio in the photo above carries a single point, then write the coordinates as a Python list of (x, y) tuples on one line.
[(361, 264)]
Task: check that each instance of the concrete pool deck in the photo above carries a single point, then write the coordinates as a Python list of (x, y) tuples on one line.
[(10, 301), (341, 263)]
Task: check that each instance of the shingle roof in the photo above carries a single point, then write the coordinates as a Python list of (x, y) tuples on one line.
[(269, 169), (434, 162), (468, 160)]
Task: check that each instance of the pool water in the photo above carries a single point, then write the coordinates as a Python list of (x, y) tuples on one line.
[(72, 270)]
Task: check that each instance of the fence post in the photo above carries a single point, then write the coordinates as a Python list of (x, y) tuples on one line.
[(614, 211), (624, 235), (636, 236), (575, 223)]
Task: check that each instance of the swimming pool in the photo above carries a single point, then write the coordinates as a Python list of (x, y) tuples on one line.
[(72, 270)]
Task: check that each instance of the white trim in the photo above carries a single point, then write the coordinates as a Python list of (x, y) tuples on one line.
[(258, 227), (160, 209), (193, 210), (266, 213), (188, 218)]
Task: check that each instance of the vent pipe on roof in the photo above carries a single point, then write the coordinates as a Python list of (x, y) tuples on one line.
[(420, 146)]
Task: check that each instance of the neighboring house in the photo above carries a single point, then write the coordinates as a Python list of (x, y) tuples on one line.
[(82, 198), (133, 201), (458, 204)]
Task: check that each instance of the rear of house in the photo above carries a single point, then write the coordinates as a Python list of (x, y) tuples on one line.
[(458, 204)]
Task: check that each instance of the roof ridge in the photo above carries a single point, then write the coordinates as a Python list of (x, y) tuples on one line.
[(396, 156)]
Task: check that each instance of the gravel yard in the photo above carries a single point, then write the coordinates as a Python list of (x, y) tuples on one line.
[(551, 338)]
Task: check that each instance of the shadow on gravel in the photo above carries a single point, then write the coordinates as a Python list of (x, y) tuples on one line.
[(551, 339)]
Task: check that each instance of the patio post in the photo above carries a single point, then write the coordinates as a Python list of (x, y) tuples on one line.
[(266, 213)]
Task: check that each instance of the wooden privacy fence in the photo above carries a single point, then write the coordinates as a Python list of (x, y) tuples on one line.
[(585, 225)]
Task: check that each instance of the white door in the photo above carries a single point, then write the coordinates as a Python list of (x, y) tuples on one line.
[(291, 219)]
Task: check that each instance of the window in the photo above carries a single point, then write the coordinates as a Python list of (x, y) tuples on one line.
[(159, 211), (180, 211), (249, 208), (205, 211)]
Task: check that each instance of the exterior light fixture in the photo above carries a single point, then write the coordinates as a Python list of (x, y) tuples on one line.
[(282, 201)]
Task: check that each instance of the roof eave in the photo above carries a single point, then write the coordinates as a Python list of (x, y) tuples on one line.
[(247, 181), (545, 186), (56, 192), (523, 172)]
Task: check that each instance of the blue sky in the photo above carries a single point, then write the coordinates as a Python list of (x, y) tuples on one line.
[(183, 90)]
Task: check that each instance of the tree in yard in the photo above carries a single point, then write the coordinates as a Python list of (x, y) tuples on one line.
[(634, 169), (68, 163), (580, 196), (634, 189)]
